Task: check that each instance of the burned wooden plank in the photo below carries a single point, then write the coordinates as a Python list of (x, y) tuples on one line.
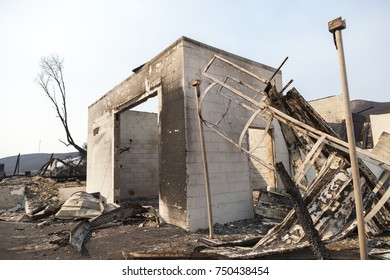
[(173, 256), (213, 243), (301, 110), (318, 248), (330, 203), (46, 212), (120, 213), (271, 205), (293, 143)]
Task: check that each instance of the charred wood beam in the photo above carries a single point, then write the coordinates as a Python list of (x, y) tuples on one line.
[(293, 143), (173, 256), (297, 107), (301, 110), (318, 248), (204, 243), (44, 167), (46, 212)]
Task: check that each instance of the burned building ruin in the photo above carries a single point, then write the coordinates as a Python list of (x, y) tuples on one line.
[(250, 127), (133, 154)]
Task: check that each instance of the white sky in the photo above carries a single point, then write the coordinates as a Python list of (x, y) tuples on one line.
[(102, 41)]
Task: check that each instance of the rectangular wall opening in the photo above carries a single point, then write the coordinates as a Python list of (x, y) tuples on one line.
[(261, 177), (138, 150)]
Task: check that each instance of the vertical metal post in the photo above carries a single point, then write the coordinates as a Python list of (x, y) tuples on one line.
[(16, 170), (196, 84), (335, 27)]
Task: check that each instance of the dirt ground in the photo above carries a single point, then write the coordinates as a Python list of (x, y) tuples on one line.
[(49, 240), (28, 241)]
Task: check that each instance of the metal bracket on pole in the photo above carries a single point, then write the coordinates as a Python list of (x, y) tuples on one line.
[(335, 26)]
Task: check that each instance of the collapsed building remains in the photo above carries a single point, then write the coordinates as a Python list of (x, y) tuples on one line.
[(250, 127)]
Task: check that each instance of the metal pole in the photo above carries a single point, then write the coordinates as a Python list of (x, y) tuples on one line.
[(196, 84), (335, 27)]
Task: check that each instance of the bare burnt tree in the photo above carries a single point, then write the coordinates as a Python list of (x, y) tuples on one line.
[(51, 79)]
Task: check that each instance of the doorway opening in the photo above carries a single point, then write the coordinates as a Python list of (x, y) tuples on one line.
[(138, 149), (261, 178)]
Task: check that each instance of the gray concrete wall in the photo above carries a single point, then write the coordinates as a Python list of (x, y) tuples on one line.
[(228, 167), (138, 156), (330, 108), (379, 124)]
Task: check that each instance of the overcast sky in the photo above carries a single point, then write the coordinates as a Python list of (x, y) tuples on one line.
[(102, 41)]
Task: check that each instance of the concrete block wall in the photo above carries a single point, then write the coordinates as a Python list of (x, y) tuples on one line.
[(138, 156), (173, 191), (330, 108), (379, 124), (231, 192)]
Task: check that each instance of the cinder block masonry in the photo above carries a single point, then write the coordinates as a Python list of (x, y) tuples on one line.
[(180, 181), (138, 154)]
